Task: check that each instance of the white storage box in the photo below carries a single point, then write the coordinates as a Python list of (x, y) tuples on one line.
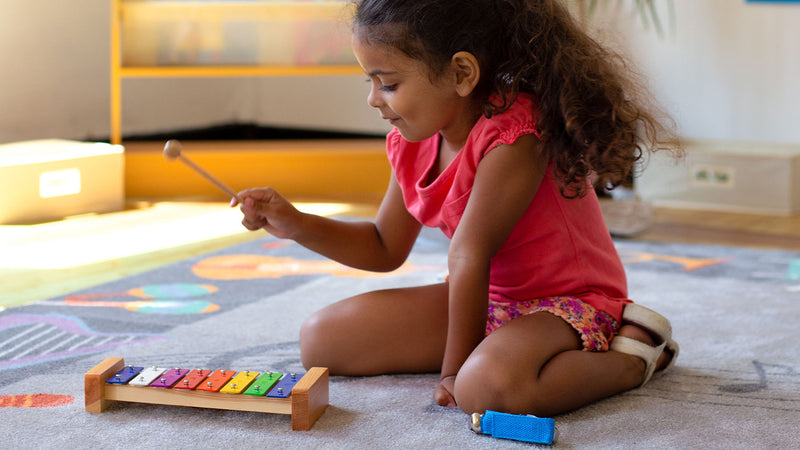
[(726, 176), (52, 179), (254, 32)]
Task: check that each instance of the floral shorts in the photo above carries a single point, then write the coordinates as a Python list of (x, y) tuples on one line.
[(596, 328)]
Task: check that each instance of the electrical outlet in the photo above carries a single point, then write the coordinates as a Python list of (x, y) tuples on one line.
[(708, 175)]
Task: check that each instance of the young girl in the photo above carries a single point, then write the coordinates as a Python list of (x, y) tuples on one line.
[(504, 110)]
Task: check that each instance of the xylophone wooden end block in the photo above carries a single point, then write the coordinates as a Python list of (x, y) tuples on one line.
[(310, 398), (94, 383)]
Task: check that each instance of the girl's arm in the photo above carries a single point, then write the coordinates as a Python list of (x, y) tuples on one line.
[(380, 246), (505, 183)]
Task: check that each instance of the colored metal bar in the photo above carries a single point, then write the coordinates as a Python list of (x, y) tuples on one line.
[(169, 378), (284, 387), (263, 384), (240, 382), (125, 375), (193, 379), (147, 376), (216, 380)]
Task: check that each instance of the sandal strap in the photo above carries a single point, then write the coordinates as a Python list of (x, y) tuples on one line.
[(656, 324), (647, 353)]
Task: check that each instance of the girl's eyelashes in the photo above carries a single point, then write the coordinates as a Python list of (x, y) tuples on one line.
[(387, 88)]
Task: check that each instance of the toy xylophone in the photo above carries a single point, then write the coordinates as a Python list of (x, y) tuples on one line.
[(303, 397)]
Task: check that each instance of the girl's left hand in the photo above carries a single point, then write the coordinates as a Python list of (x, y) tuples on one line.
[(444, 392)]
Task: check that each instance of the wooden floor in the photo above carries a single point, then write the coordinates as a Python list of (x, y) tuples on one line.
[(48, 260), (723, 228)]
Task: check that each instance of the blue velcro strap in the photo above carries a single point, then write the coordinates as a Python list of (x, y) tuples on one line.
[(537, 430)]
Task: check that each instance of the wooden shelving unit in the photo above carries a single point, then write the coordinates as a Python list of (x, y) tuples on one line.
[(119, 72)]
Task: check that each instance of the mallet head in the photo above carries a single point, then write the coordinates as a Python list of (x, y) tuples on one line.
[(172, 149)]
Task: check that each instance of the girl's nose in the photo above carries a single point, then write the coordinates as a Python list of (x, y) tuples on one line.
[(374, 97)]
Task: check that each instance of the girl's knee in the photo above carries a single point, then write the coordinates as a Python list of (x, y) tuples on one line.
[(307, 341), (313, 343), (330, 337), (484, 383)]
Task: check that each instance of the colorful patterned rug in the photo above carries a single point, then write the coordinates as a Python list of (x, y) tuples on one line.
[(734, 312)]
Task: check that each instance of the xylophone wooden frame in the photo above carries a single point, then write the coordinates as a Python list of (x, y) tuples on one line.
[(307, 402)]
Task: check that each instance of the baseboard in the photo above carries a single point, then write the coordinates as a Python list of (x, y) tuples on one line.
[(741, 177)]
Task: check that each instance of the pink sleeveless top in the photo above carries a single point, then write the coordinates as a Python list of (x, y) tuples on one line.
[(559, 247)]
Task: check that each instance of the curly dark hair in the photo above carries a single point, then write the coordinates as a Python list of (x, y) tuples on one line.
[(592, 112)]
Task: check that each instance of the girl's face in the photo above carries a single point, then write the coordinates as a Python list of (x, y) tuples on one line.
[(402, 90)]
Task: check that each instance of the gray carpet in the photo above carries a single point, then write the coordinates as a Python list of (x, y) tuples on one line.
[(734, 312)]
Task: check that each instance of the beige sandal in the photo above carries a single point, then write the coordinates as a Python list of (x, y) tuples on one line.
[(658, 327)]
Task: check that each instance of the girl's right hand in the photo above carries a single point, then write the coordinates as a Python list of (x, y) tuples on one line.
[(265, 208), (443, 395)]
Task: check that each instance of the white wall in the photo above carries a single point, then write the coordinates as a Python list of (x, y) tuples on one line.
[(53, 73), (730, 71)]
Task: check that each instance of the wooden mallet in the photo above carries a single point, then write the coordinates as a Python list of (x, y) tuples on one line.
[(172, 151)]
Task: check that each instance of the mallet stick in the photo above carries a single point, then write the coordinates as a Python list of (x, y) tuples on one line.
[(172, 150)]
